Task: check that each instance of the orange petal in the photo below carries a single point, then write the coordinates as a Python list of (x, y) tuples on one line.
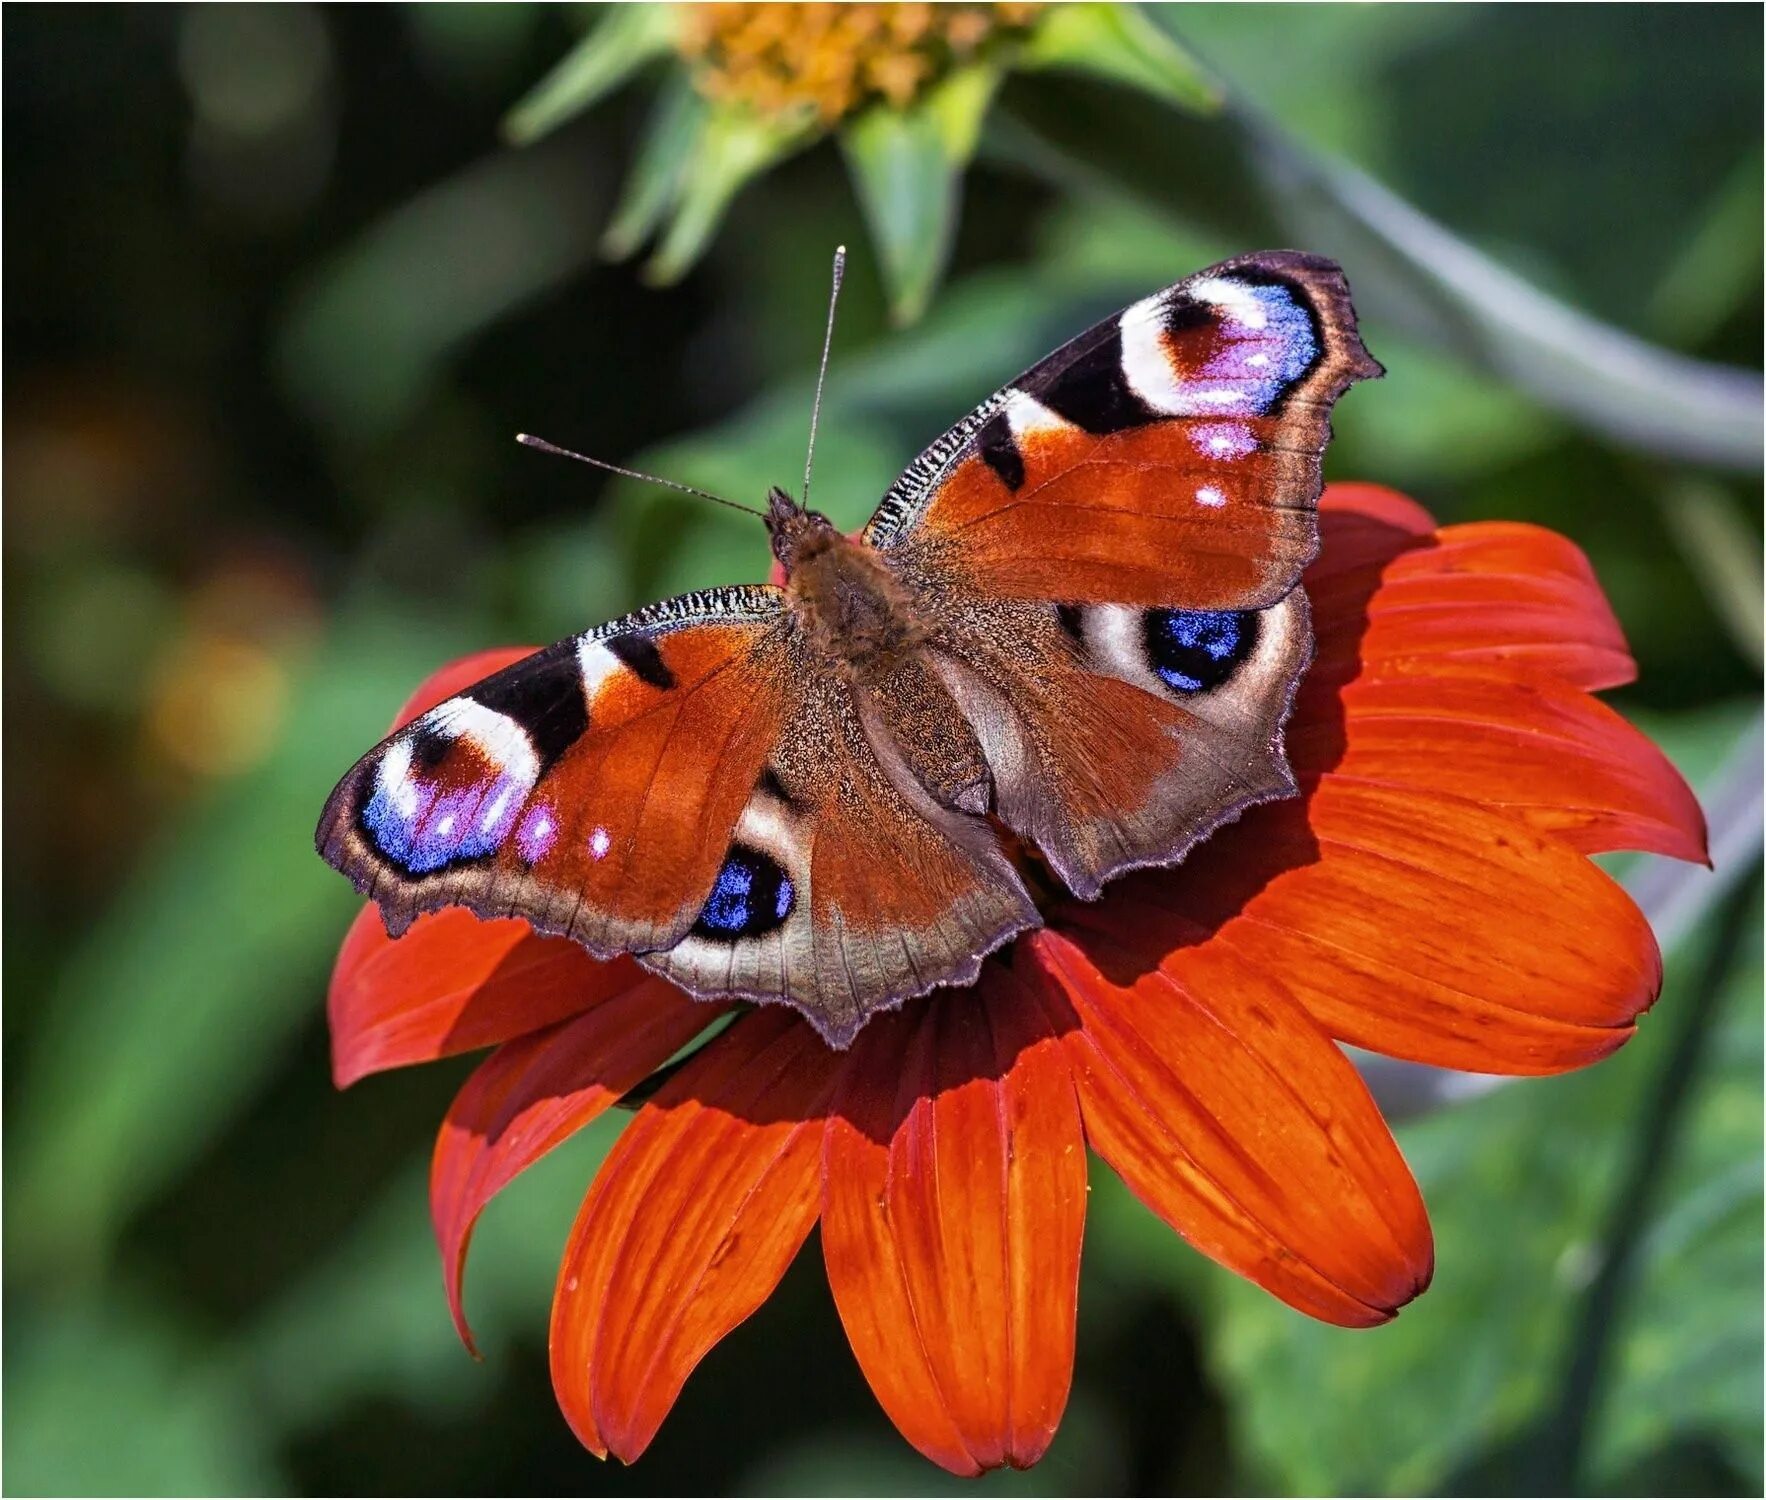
[(951, 1225), (1421, 925), (453, 983), (456, 676), (688, 1226), (534, 1093), (1229, 1113), (1547, 754), (1370, 513), (1490, 599)]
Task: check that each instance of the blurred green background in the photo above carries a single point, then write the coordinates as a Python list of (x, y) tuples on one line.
[(278, 296)]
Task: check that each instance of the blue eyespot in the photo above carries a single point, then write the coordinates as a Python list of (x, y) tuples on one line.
[(422, 825), (1289, 329), (1195, 650), (751, 895), (1267, 344)]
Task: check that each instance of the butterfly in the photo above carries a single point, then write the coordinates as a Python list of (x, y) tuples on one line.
[(1066, 642)]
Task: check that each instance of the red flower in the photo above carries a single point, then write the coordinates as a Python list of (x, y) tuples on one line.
[(1427, 896)]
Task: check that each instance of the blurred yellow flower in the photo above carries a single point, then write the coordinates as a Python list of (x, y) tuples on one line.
[(905, 88), (834, 59)]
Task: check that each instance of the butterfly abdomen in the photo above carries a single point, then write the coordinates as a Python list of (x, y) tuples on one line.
[(927, 729)]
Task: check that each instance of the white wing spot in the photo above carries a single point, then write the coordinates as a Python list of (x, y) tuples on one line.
[(394, 778), (597, 664), (1233, 298), (1025, 414), (1211, 497)]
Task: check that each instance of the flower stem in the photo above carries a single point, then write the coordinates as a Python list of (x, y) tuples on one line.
[(1562, 1448)]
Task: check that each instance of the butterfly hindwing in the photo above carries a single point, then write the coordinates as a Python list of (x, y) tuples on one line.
[(1118, 735), (889, 892), (1168, 457)]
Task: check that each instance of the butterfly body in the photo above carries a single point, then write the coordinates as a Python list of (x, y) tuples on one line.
[(850, 605), (1071, 627)]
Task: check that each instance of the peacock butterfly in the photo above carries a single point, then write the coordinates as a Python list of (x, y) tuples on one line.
[(1071, 626)]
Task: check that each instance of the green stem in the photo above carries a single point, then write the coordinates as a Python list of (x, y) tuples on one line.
[(1563, 1445)]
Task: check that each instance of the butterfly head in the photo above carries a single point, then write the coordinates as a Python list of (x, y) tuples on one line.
[(796, 532)]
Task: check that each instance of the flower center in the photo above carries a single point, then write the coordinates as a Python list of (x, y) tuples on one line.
[(832, 59)]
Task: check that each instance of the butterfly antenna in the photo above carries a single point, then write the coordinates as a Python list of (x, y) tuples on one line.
[(529, 440), (815, 412)]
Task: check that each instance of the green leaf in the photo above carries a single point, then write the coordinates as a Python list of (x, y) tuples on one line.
[(1718, 269), (370, 1319), (654, 182), (735, 146), (907, 165), (109, 1397), (1688, 1365), (1120, 43), (188, 989), (626, 39), (371, 332)]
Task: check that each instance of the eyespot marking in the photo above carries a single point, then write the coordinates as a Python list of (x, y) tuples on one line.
[(450, 789), (1195, 650), (751, 896), (1229, 345)]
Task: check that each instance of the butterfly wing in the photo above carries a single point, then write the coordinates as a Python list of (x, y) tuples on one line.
[(1119, 735), (1108, 549), (1168, 457), (691, 785)]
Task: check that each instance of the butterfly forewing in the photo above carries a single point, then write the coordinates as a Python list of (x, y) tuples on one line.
[(582, 788), (1170, 456)]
